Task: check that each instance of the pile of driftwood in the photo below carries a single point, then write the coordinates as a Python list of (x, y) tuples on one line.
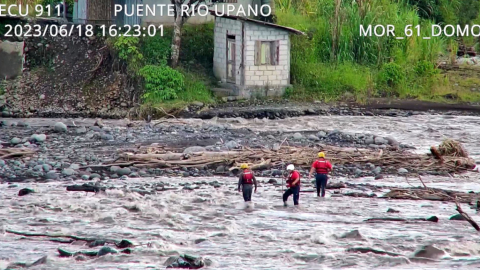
[(431, 194), (440, 160)]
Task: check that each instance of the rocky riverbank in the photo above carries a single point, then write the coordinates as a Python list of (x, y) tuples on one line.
[(75, 149)]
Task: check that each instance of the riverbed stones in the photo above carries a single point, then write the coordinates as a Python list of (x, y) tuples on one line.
[(60, 127), (380, 141), (457, 217), (25, 191), (38, 137), (68, 172), (52, 175), (354, 234), (321, 134), (272, 181), (74, 166), (16, 141), (220, 169), (106, 137), (297, 136), (194, 149), (392, 141), (232, 145), (124, 171), (81, 130)]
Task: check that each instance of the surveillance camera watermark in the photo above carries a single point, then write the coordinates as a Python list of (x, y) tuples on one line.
[(435, 30), (127, 30)]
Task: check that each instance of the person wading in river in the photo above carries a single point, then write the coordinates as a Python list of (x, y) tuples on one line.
[(246, 182), (322, 168), (293, 185)]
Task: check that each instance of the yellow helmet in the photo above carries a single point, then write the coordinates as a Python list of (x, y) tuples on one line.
[(321, 155), (244, 166)]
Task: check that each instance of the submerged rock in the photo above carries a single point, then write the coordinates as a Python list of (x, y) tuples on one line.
[(25, 191), (355, 234), (187, 262), (457, 217), (60, 127), (429, 252)]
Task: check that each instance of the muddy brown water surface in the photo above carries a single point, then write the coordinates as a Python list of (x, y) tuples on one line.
[(214, 224)]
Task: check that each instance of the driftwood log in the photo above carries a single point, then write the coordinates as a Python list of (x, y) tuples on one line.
[(14, 152), (431, 219), (432, 194), (92, 241), (85, 188), (302, 157)]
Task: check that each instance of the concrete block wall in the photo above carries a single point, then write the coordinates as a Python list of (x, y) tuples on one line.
[(11, 59), (278, 75), (224, 27)]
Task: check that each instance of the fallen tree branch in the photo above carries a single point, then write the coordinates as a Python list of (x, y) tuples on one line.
[(458, 208), (85, 188), (119, 244), (466, 216)]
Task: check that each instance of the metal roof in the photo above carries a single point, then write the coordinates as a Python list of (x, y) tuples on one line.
[(288, 29)]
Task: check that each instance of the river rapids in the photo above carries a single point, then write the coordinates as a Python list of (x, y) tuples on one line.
[(214, 223)]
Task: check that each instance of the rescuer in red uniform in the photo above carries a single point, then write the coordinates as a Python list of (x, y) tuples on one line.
[(322, 168), (246, 182), (293, 183)]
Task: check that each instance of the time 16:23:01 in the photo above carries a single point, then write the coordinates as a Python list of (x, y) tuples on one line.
[(131, 31)]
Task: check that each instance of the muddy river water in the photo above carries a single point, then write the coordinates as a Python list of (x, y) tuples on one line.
[(213, 223)]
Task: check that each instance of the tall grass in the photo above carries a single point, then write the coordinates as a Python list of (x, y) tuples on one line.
[(335, 58)]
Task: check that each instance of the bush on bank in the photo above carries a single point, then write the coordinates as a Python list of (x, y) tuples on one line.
[(334, 59), (147, 59)]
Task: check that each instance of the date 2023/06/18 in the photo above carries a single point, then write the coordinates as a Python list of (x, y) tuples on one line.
[(436, 30), (88, 30)]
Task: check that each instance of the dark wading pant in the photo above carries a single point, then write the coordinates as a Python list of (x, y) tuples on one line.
[(321, 181), (295, 191), (247, 192)]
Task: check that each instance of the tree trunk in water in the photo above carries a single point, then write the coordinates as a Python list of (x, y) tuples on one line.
[(177, 36)]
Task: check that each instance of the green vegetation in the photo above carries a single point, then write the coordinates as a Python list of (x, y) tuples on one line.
[(334, 59), (166, 88), (2, 87)]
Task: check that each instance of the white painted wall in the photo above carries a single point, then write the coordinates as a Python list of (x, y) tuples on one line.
[(12, 59)]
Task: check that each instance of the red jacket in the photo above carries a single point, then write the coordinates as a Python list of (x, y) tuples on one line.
[(247, 177), (322, 166), (293, 175)]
